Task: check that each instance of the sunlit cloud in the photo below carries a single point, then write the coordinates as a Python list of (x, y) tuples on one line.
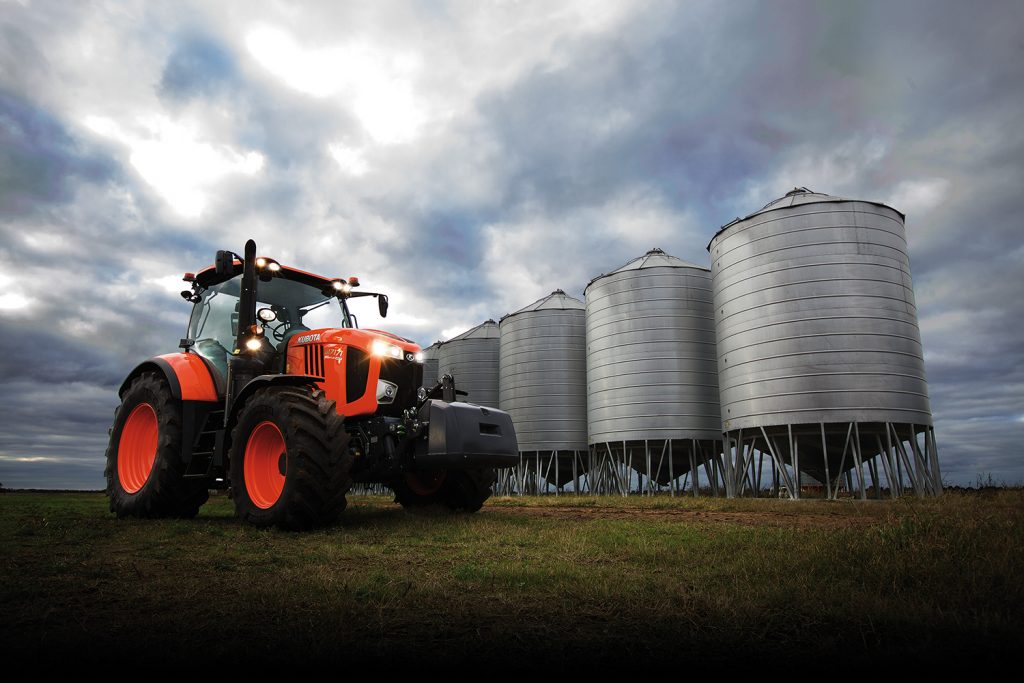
[(174, 159), (349, 159), (376, 84), (12, 301)]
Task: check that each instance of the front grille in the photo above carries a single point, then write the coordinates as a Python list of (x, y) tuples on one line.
[(407, 376), (314, 357)]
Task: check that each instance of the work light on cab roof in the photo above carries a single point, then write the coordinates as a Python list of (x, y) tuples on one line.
[(278, 395)]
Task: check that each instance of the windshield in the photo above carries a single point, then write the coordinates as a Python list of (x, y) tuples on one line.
[(297, 307)]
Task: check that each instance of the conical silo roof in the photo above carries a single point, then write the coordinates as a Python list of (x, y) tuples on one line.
[(655, 258), (557, 300), (796, 197), (485, 330)]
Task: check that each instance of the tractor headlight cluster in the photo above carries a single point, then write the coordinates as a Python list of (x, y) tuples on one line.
[(384, 350), (255, 342), (341, 286), (268, 263)]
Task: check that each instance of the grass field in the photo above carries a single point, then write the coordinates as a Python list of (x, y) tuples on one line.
[(639, 582)]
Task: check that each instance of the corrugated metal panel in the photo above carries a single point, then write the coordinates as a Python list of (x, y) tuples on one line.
[(815, 316), (543, 380), (472, 358), (430, 360), (651, 370)]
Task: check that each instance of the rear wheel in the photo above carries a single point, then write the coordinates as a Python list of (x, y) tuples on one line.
[(456, 489), (290, 461), (145, 473)]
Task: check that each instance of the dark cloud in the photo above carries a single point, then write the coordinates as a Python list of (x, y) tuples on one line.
[(199, 66), (40, 163)]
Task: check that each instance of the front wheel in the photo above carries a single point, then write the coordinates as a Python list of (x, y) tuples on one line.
[(145, 472), (464, 490), (290, 464)]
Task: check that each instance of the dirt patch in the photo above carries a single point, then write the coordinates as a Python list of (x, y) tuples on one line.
[(780, 519)]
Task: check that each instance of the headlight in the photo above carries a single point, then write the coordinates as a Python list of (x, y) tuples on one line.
[(386, 391), (385, 350), (419, 357), (254, 344)]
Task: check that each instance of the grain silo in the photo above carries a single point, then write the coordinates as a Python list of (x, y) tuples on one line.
[(472, 359), (430, 361), (543, 386), (819, 352), (652, 379)]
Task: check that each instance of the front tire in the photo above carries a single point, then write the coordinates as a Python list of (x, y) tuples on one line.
[(462, 490), (290, 463), (144, 471)]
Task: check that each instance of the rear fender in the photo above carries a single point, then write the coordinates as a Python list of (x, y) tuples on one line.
[(194, 382), (188, 375)]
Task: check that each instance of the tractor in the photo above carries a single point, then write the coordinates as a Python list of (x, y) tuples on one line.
[(279, 397)]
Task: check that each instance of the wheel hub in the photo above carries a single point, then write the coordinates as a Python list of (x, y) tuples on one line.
[(265, 465), (136, 451)]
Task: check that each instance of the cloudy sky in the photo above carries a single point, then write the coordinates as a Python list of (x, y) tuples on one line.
[(470, 157)]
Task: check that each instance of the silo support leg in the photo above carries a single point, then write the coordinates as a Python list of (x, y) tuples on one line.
[(694, 472), (858, 462), (673, 485), (884, 459), (934, 451), (795, 459), (921, 457), (824, 455), (904, 459), (778, 463), (842, 463)]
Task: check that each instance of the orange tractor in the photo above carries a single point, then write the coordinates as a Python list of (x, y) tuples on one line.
[(278, 396)]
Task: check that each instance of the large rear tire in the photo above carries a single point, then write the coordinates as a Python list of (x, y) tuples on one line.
[(145, 473), (290, 463), (463, 490)]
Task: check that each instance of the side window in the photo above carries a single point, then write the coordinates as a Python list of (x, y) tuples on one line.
[(212, 326)]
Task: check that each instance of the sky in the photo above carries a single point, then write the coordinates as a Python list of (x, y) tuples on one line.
[(470, 157)]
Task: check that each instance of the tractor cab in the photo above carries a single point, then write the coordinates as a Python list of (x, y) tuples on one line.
[(287, 303)]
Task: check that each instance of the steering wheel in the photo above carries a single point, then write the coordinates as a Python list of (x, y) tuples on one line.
[(280, 331)]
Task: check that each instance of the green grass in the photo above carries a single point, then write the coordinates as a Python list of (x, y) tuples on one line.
[(567, 579)]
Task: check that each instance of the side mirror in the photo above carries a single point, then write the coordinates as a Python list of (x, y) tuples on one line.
[(382, 305), (225, 263)]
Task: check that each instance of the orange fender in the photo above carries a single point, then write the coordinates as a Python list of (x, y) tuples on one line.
[(187, 374)]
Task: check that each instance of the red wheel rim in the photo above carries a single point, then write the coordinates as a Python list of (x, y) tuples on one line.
[(136, 451), (265, 457), (424, 483)]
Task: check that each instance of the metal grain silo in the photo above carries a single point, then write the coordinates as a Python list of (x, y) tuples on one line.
[(652, 379), (819, 352), (430, 361), (543, 386), (472, 359)]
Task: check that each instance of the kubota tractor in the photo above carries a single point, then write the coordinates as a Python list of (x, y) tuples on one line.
[(279, 396)]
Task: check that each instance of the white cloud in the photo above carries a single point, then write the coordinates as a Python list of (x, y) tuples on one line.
[(838, 170), (12, 301), (919, 197), (376, 83), (350, 159), (175, 160), (528, 257)]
